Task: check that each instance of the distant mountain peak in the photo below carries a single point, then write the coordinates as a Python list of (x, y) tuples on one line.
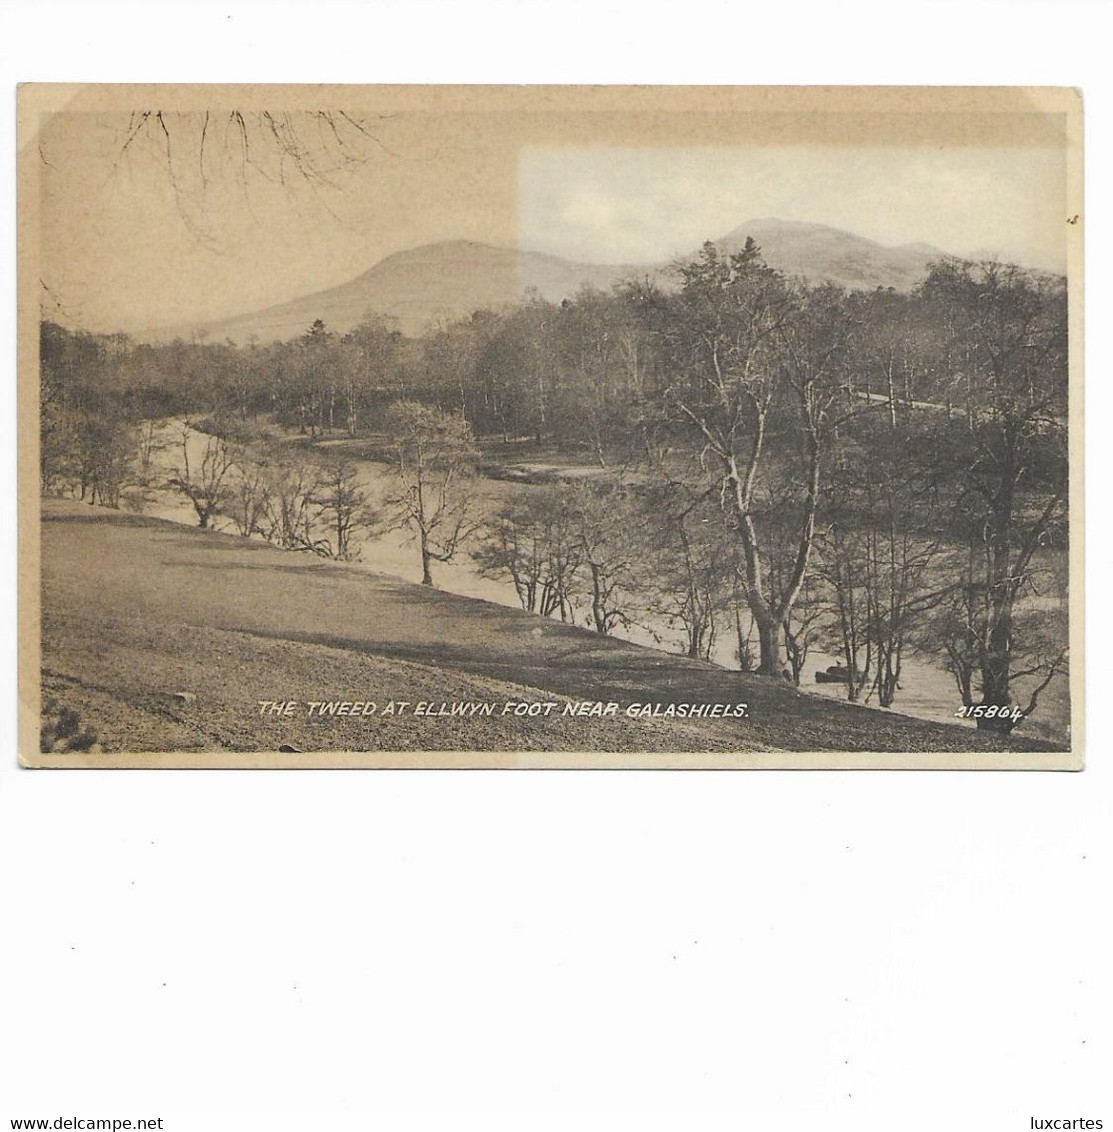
[(453, 278), (822, 254), (779, 222), (775, 225)]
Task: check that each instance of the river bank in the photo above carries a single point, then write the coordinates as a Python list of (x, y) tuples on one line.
[(927, 691), (170, 638)]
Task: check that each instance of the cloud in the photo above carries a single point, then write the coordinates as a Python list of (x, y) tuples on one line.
[(648, 204)]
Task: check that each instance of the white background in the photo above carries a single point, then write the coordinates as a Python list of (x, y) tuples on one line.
[(544, 950)]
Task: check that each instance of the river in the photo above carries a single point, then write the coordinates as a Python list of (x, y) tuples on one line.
[(926, 692)]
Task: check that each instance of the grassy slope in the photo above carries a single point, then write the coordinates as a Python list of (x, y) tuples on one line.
[(136, 610)]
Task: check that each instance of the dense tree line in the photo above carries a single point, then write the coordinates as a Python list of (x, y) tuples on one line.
[(793, 467)]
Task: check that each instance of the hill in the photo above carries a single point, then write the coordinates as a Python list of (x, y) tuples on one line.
[(164, 637), (451, 280), (821, 254), (417, 288)]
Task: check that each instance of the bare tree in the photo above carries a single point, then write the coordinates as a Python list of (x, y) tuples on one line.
[(748, 356), (433, 461), (532, 541), (293, 482), (370, 359), (202, 152), (686, 567), (844, 567), (202, 481), (602, 522), (344, 509), (249, 497), (1008, 454)]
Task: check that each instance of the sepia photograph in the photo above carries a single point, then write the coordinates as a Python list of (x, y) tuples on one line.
[(608, 427)]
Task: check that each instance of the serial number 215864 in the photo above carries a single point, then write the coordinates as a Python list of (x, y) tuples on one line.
[(990, 711)]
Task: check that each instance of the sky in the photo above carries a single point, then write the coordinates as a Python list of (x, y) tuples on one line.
[(638, 204), (143, 228)]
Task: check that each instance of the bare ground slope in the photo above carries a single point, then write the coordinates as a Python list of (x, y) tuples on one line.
[(138, 611)]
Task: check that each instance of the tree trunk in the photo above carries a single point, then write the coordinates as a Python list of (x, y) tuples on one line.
[(769, 643), (745, 657), (995, 671), (597, 611)]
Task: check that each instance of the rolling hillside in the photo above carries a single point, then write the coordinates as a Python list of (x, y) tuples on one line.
[(165, 637)]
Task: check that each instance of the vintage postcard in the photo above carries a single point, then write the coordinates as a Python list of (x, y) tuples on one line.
[(550, 427)]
